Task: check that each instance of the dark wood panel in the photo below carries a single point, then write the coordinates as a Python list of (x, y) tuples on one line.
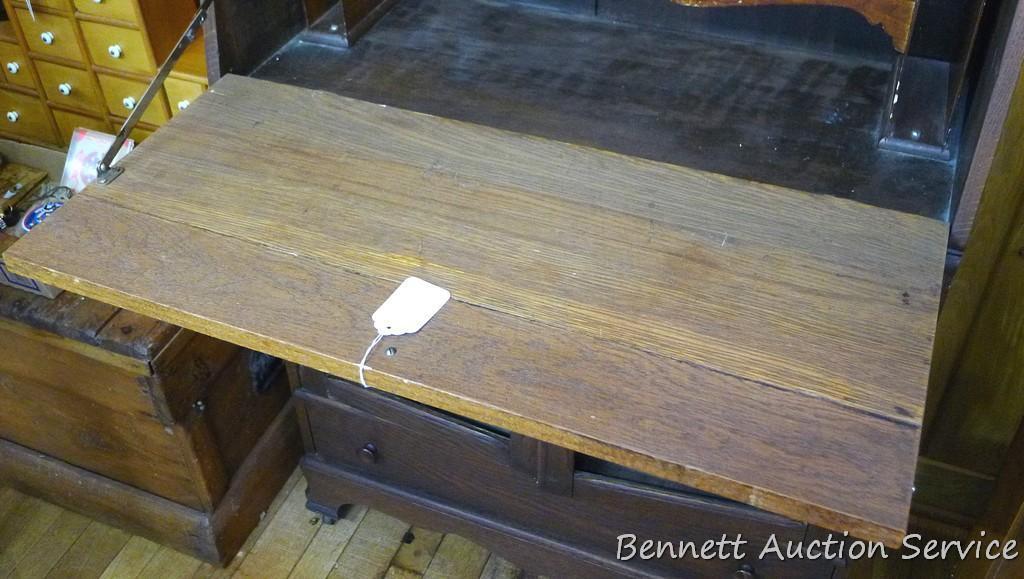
[(807, 119), (238, 414), (244, 34)]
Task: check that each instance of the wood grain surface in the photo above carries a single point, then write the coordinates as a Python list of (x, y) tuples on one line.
[(761, 343)]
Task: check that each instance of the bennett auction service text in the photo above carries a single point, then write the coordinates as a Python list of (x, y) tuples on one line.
[(831, 547)]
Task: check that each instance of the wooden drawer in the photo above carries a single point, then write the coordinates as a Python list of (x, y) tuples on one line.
[(50, 35), (123, 10), (118, 48), (122, 94), (181, 93), (140, 134), (69, 86), (430, 454), (26, 116), (68, 121), (17, 69), (63, 5)]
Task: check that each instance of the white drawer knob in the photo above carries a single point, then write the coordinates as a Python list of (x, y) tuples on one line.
[(46, 37), (97, 1), (13, 67), (182, 105), (13, 116), (64, 88), (114, 50), (129, 103)]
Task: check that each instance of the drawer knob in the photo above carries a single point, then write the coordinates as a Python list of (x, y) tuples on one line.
[(13, 116), (97, 1), (182, 105), (368, 453), (64, 88), (129, 103), (13, 67), (114, 50), (47, 37)]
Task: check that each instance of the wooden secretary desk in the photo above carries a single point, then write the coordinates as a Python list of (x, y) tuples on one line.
[(633, 345)]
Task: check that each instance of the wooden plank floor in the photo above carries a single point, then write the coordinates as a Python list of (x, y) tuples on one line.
[(38, 539)]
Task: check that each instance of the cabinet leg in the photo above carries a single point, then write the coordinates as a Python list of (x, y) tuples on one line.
[(329, 515)]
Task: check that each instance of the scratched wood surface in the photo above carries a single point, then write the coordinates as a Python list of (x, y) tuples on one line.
[(764, 344), (38, 539)]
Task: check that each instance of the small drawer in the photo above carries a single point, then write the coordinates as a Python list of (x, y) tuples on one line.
[(181, 93), (16, 67), (63, 5), (360, 435), (123, 10), (69, 86), (50, 35), (68, 121), (117, 48), (26, 116), (122, 95)]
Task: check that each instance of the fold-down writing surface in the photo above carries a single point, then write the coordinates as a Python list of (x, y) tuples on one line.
[(765, 344)]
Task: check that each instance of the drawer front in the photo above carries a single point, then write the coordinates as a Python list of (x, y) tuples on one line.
[(50, 35), (122, 95), (63, 5), (68, 86), (17, 69), (181, 93), (430, 454), (123, 10), (26, 116), (68, 121), (117, 48)]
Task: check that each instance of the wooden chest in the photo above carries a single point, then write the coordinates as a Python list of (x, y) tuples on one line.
[(172, 435), (547, 509)]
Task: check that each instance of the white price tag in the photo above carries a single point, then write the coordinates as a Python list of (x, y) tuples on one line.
[(406, 311), (410, 307)]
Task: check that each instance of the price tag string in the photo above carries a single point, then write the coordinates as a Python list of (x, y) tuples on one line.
[(362, 363)]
